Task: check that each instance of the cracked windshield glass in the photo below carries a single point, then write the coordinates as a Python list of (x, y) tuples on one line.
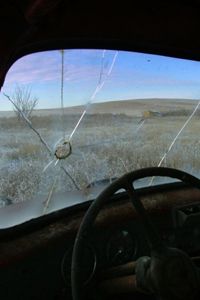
[(72, 121)]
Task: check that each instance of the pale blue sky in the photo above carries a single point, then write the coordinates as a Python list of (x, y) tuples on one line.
[(133, 76)]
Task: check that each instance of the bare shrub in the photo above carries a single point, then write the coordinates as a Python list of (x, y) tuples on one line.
[(24, 101)]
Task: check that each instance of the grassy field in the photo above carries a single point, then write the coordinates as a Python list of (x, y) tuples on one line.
[(106, 145)]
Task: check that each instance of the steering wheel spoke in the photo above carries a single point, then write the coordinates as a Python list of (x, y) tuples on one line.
[(151, 233)]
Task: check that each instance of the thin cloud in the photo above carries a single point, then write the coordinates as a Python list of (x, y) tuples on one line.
[(131, 77), (44, 67)]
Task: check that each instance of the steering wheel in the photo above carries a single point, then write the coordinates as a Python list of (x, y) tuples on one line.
[(169, 273)]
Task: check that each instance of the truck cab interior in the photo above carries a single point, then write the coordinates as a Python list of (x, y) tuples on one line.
[(100, 150)]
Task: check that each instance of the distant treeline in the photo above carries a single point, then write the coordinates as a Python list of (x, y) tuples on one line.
[(180, 112), (169, 113), (89, 120), (69, 120)]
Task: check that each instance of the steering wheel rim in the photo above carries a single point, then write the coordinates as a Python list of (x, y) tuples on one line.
[(124, 182)]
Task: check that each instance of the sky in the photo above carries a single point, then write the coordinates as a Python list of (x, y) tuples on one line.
[(100, 75)]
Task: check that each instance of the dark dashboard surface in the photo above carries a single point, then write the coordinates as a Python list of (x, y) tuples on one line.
[(41, 259)]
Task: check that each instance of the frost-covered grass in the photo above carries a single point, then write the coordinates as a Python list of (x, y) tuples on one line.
[(104, 146)]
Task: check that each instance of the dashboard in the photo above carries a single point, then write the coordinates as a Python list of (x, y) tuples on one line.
[(187, 228), (38, 262), (124, 242)]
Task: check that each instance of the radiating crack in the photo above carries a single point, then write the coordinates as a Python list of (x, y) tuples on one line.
[(62, 90), (29, 124), (51, 153), (48, 165), (63, 148), (99, 86), (175, 139), (97, 90), (72, 179), (49, 197)]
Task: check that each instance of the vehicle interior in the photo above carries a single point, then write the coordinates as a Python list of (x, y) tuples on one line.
[(100, 150)]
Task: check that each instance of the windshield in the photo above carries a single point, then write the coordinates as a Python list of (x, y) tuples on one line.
[(72, 121)]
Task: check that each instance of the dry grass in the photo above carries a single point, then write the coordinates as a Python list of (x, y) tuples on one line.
[(104, 146), (25, 151)]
